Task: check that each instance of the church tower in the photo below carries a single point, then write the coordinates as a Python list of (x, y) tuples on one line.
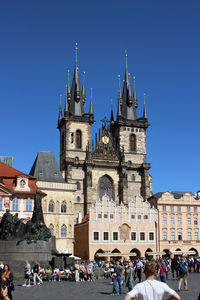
[(129, 136), (75, 136)]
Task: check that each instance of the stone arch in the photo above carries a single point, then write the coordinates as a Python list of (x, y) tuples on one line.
[(178, 249), (63, 231), (167, 252), (51, 228), (116, 257), (63, 207), (147, 255), (96, 258), (106, 186), (193, 249), (138, 253), (51, 206), (132, 142), (78, 139)]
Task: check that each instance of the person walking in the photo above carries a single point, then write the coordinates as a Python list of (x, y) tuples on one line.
[(162, 271), (151, 289), (174, 267), (7, 280), (139, 266), (27, 273), (36, 270), (117, 278), (183, 274), (129, 279)]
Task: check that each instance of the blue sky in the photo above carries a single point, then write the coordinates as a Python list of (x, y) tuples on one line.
[(163, 43)]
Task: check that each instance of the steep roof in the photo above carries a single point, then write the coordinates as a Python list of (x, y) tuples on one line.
[(10, 172), (45, 168)]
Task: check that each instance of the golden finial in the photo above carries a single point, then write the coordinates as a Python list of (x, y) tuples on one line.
[(119, 80)]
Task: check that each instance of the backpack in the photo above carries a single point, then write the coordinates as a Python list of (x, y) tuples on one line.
[(183, 269)]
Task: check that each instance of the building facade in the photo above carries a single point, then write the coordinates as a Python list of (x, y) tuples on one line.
[(110, 228), (178, 222), (17, 192), (115, 163), (58, 204)]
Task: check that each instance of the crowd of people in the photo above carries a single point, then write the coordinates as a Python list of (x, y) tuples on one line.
[(128, 273)]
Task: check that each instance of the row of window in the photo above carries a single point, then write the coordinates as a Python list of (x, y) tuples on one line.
[(179, 208), (63, 207), (179, 236), (179, 221), (115, 236), (133, 217), (63, 230), (15, 205)]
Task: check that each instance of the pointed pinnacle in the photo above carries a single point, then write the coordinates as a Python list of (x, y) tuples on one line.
[(145, 110), (91, 105)]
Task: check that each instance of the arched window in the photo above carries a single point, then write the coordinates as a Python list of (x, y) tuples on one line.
[(51, 228), (78, 199), (63, 142), (106, 186), (63, 207), (133, 177), (63, 231), (51, 206), (132, 142), (78, 185), (78, 139)]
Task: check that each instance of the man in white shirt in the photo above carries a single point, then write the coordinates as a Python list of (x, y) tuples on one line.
[(151, 289)]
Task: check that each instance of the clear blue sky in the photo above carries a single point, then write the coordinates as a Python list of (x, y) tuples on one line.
[(163, 43)]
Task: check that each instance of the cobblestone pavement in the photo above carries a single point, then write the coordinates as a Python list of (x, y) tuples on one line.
[(99, 289)]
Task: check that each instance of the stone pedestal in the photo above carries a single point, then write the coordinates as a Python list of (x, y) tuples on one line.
[(15, 255)]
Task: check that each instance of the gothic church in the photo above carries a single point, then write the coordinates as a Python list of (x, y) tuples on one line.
[(115, 163)]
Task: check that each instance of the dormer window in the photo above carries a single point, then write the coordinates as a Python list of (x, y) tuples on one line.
[(22, 183)]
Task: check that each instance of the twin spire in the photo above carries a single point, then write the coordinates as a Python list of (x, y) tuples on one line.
[(75, 96)]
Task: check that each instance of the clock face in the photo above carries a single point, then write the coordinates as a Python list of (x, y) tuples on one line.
[(105, 140)]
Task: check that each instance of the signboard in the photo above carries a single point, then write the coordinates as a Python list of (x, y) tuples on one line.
[(8, 160)]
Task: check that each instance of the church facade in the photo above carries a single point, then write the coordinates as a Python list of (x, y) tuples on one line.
[(115, 162)]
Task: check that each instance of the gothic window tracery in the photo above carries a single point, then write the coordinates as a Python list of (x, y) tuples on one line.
[(132, 142), (63, 231), (106, 186), (78, 139), (51, 206), (63, 207)]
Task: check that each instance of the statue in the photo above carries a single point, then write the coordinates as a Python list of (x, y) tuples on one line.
[(14, 229)]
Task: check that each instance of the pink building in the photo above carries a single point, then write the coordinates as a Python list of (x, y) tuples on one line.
[(17, 191)]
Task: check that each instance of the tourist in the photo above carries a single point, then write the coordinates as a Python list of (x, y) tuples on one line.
[(56, 274), (36, 271), (77, 273), (48, 272), (72, 273), (129, 279), (183, 274), (27, 273), (151, 289), (89, 270), (162, 271), (174, 267), (138, 267), (82, 272), (117, 278), (7, 280)]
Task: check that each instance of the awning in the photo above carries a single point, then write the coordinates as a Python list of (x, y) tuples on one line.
[(115, 254), (191, 252), (155, 253)]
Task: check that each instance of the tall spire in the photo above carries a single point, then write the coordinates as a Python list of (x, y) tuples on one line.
[(66, 104), (68, 88), (83, 90), (91, 105), (145, 110), (111, 114), (128, 110), (76, 105), (60, 110), (119, 99), (134, 93)]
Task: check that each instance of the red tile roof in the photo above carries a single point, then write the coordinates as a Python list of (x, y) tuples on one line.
[(9, 175)]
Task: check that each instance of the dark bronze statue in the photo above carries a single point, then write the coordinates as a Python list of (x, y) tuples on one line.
[(14, 229)]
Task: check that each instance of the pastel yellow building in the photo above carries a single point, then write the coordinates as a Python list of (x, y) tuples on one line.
[(58, 204), (178, 221), (111, 228)]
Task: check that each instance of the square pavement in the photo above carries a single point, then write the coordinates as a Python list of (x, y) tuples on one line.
[(97, 289)]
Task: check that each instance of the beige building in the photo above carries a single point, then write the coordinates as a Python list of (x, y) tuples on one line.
[(58, 204), (178, 221), (111, 228)]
